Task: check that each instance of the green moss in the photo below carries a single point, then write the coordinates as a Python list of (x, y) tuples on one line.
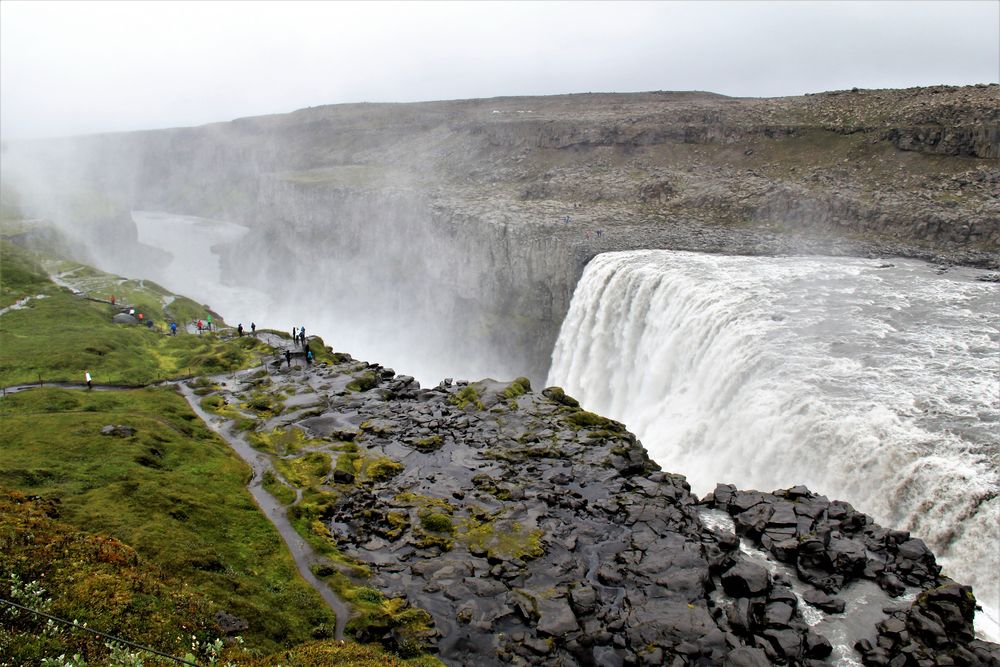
[(518, 387), (436, 522), (401, 628), (465, 397), (362, 382), (282, 493), (410, 499), (584, 419), (428, 444), (383, 469), (306, 471), (282, 442), (559, 396), (265, 405), (511, 540)]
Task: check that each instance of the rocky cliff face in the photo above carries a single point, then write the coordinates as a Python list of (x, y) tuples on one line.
[(477, 216)]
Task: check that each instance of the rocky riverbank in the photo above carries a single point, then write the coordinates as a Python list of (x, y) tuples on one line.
[(533, 532)]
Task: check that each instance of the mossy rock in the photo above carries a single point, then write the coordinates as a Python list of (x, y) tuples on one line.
[(501, 539), (518, 387), (428, 444), (436, 522), (264, 404), (408, 631), (465, 397), (363, 382), (559, 396), (584, 419), (383, 469)]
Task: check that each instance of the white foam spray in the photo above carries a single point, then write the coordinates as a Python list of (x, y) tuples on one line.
[(872, 383)]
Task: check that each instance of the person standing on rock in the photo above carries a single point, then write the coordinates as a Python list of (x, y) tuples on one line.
[(199, 326), (86, 376), (210, 321), (302, 335), (253, 329), (295, 334), (239, 329), (288, 357), (309, 357), (173, 328)]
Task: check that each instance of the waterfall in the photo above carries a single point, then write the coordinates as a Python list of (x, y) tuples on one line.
[(869, 382)]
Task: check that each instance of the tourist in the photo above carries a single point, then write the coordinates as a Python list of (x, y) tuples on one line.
[(210, 321), (288, 357), (295, 334), (309, 356), (253, 329), (86, 376), (173, 328), (239, 329)]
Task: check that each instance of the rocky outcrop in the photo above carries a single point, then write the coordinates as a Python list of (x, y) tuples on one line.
[(533, 532)]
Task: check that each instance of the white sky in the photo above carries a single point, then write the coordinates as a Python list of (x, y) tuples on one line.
[(83, 67)]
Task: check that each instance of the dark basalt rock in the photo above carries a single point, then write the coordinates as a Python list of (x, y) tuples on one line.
[(534, 533)]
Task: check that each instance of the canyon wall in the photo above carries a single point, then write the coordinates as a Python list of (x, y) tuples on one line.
[(460, 228)]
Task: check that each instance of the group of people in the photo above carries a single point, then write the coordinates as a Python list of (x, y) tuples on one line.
[(299, 336), (253, 329)]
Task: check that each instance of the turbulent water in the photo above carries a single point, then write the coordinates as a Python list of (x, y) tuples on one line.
[(868, 382)]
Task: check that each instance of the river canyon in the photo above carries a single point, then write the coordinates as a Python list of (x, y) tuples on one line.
[(767, 292)]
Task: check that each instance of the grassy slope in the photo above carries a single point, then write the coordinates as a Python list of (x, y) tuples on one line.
[(172, 490), (62, 335)]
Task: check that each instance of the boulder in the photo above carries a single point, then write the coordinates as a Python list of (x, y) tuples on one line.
[(746, 579)]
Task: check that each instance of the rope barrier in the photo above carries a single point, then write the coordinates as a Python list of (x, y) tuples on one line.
[(105, 635)]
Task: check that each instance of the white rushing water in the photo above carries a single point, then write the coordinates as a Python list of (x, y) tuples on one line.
[(872, 383)]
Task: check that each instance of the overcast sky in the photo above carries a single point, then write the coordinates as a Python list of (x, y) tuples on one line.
[(83, 67)]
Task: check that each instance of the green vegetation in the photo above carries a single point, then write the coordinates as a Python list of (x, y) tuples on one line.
[(465, 397), (500, 539), (362, 382), (80, 336), (172, 489), (382, 469), (161, 481), (559, 396), (584, 419), (282, 493), (428, 444), (518, 387), (305, 472), (436, 522), (50, 566), (20, 274)]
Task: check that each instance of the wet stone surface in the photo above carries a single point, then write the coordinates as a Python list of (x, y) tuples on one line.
[(535, 533)]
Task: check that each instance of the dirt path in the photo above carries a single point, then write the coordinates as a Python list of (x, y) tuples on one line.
[(259, 462)]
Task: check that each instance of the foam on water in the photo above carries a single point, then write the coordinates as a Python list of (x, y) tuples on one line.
[(870, 383)]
